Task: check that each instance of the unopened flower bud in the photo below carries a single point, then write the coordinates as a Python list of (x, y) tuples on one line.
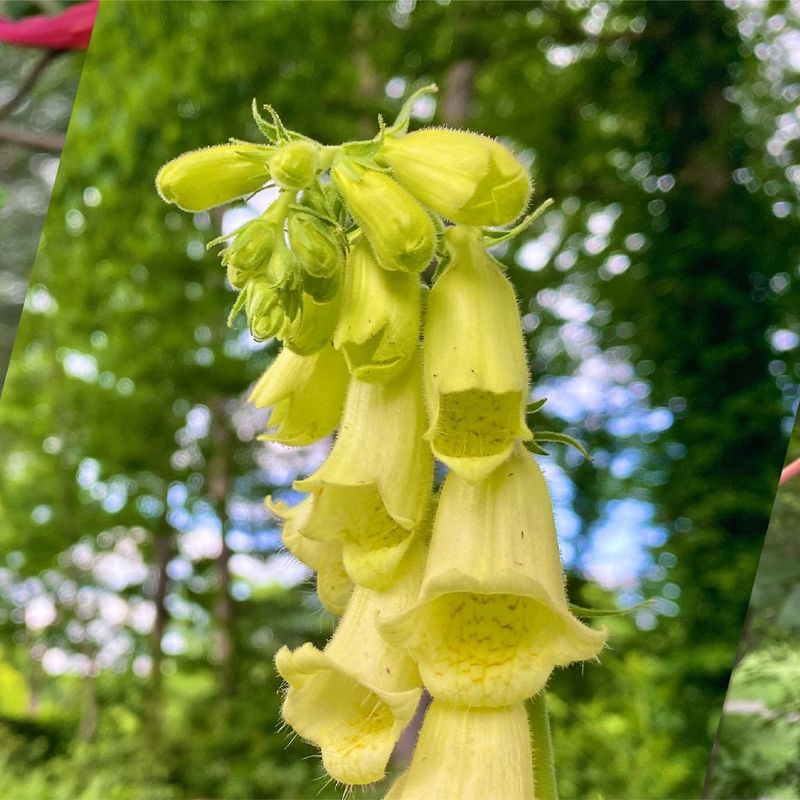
[(466, 177), (293, 165), (201, 179), (397, 227), (313, 327), (315, 246), (264, 313), (251, 248)]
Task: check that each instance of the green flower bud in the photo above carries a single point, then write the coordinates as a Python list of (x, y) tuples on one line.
[(466, 177), (211, 176), (315, 246), (282, 270), (314, 325), (294, 165), (398, 229), (265, 316), (250, 249), (321, 289)]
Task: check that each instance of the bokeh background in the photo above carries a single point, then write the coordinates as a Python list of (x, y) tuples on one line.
[(142, 589)]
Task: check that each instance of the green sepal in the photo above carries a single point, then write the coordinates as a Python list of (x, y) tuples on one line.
[(403, 119), (535, 405), (237, 307), (269, 131), (580, 611), (561, 438), (492, 237)]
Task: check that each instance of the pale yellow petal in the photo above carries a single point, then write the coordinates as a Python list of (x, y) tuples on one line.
[(492, 620), (476, 375)]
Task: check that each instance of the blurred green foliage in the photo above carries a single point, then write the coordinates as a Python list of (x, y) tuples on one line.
[(661, 283)]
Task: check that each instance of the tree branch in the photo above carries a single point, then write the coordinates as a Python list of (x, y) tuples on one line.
[(29, 82), (36, 140)]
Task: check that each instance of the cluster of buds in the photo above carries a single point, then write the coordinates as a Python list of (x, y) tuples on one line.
[(402, 333)]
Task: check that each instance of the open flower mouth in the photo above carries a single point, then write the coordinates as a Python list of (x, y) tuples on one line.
[(476, 423), (490, 649), (373, 542), (354, 726)]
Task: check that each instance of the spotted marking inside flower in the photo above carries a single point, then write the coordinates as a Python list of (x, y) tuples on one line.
[(487, 649), (476, 423), (351, 725)]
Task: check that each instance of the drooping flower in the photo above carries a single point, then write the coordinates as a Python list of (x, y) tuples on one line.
[(466, 177), (492, 619), (314, 325), (372, 493), (317, 248), (476, 376), (305, 393), (470, 754), (354, 698), (378, 331), (71, 29), (334, 587), (398, 229), (208, 177)]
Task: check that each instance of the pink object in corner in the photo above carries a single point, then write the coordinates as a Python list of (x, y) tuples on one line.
[(69, 30)]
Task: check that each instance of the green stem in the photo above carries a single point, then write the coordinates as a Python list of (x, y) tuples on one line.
[(544, 768)]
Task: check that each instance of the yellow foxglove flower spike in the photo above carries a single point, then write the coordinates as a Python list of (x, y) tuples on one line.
[(469, 754), (492, 620), (372, 493), (476, 376), (334, 587), (466, 177), (201, 179), (398, 229), (306, 394), (354, 699), (378, 330)]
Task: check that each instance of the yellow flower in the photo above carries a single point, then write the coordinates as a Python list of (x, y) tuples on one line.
[(372, 493), (476, 376), (293, 165), (306, 394), (492, 620), (469, 754), (314, 326), (334, 587), (466, 177), (397, 227), (202, 179), (378, 330), (354, 699)]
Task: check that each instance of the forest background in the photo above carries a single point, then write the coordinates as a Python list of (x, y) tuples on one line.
[(142, 589)]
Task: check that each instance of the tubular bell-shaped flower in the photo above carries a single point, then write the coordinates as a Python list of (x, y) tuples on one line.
[(201, 179), (334, 587), (466, 177), (397, 227), (378, 330), (492, 620), (354, 699), (470, 754), (476, 376), (372, 493), (306, 394)]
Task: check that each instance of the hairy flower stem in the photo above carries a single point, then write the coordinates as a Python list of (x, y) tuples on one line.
[(544, 768)]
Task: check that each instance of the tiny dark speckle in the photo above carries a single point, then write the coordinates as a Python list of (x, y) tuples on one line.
[(522, 534)]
